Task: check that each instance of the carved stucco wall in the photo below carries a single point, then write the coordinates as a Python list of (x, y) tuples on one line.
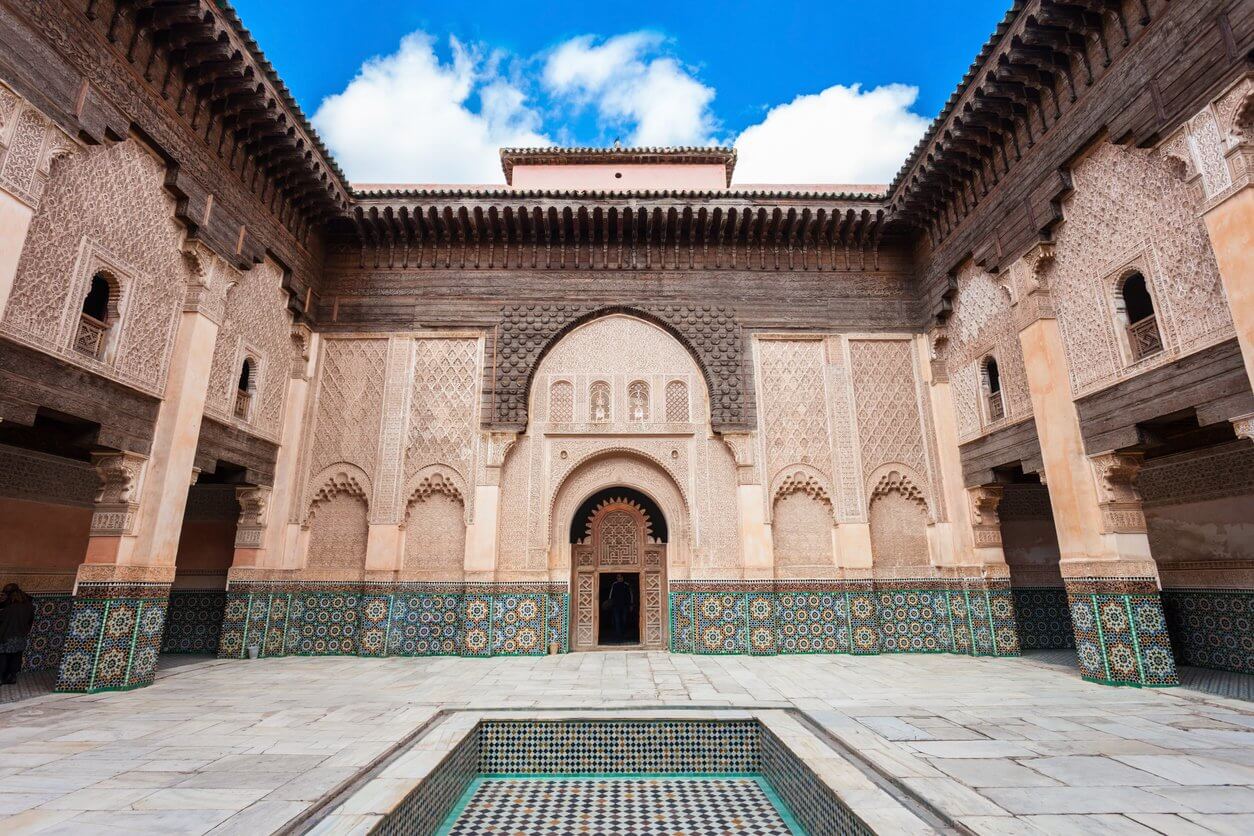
[(1129, 210), (802, 530), (435, 538), (104, 208), (256, 324), (618, 350), (983, 325), (526, 331), (29, 145), (893, 414), (793, 406), (396, 407), (337, 536), (348, 408), (898, 534)]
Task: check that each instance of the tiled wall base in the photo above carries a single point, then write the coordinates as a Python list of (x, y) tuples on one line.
[(409, 619), (1121, 631), (763, 618), (1212, 628), (47, 635), (1044, 618), (114, 637), (194, 621)]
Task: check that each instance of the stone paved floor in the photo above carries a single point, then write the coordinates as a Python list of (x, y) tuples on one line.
[(1002, 745)]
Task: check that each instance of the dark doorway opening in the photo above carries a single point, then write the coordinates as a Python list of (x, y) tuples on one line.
[(619, 595)]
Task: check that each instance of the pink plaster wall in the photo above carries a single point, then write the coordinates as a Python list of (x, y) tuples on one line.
[(1214, 531), (206, 545), (1031, 547), (693, 176), (45, 538)]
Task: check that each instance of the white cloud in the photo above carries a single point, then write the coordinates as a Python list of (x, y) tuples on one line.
[(408, 117), (633, 88), (841, 135)]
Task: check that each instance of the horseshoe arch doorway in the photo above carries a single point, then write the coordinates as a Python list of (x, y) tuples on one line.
[(618, 572)]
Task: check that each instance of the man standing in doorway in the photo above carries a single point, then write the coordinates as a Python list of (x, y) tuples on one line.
[(622, 601)]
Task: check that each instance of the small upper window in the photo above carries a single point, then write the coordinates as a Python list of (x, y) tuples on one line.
[(599, 401), (638, 401), (98, 313), (996, 407), (244, 389), (1142, 325)]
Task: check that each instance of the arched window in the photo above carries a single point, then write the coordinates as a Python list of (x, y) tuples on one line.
[(677, 401), (1140, 322), (995, 406), (638, 401), (561, 402), (98, 314), (599, 401), (244, 389)]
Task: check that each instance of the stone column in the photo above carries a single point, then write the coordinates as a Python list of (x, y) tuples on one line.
[(1228, 208), (957, 533), (122, 589), (1230, 223), (1111, 579), (480, 561)]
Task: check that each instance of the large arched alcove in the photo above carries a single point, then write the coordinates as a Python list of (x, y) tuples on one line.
[(618, 512)]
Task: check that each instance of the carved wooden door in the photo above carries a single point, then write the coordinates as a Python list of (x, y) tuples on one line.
[(618, 543)]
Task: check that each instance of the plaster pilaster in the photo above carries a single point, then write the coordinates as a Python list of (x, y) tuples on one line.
[(1230, 224), (952, 543), (15, 218)]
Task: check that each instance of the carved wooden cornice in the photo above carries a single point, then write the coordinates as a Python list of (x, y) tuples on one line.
[(628, 230), (1034, 68)]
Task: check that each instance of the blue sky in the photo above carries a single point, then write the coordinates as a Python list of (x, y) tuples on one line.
[(809, 92)]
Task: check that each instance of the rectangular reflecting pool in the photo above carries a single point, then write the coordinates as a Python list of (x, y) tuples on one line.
[(707, 773)]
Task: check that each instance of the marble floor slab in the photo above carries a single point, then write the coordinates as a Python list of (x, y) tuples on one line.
[(999, 745)]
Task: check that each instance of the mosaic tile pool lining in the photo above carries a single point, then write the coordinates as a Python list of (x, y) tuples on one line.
[(642, 805), (596, 750)]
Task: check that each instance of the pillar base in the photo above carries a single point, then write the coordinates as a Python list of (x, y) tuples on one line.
[(114, 637), (1121, 632)]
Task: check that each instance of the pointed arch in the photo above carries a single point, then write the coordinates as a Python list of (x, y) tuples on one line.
[(710, 335)]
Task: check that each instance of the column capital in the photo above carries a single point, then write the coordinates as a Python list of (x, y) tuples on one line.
[(302, 340), (985, 521), (209, 282), (741, 446), (1035, 301), (117, 502), (1244, 426), (1115, 474), (254, 502), (938, 352)]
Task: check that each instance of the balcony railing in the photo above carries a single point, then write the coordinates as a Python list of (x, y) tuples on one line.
[(996, 407), (90, 337), (1144, 339), (243, 400)]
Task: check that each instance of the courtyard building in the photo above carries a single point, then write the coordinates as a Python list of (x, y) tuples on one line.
[(619, 398)]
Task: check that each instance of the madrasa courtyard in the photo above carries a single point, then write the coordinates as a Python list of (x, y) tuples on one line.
[(620, 494)]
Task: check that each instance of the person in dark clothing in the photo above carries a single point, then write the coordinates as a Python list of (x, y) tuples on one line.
[(17, 615), (622, 601)]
